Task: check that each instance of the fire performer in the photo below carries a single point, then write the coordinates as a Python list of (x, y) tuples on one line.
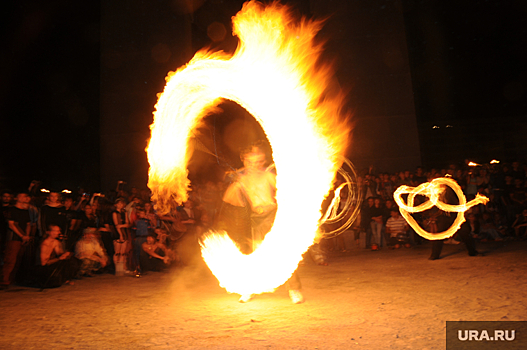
[(249, 208), (436, 220)]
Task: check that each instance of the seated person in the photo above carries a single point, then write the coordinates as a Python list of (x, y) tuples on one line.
[(396, 227), (488, 231), (57, 266), (90, 252), (520, 224), (154, 255), (162, 236)]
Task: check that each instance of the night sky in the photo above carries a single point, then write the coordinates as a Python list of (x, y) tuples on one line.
[(468, 61)]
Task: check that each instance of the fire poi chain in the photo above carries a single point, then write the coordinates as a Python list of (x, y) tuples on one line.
[(432, 190)]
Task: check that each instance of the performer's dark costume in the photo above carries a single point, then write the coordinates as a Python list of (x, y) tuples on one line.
[(437, 220)]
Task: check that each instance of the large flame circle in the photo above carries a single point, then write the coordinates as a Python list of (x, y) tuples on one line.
[(273, 75)]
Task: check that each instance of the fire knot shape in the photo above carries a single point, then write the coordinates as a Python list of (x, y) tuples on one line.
[(433, 190)]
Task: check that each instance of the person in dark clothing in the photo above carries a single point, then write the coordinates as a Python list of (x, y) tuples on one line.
[(53, 213), (153, 255), (439, 221), (366, 219), (20, 235), (7, 197), (57, 267)]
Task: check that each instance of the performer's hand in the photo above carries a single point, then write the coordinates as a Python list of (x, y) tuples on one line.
[(25, 239)]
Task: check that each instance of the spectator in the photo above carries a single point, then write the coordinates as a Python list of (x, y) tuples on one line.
[(396, 228), (122, 245), (488, 230), (53, 213), (376, 223), (419, 177), (58, 267), (472, 184), (366, 219), (142, 229), (154, 256), (190, 218), (520, 225), (90, 252), (71, 222), (151, 215), (87, 218), (106, 230), (20, 234), (7, 197)]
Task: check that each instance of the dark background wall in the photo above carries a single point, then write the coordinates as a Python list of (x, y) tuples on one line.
[(49, 94), (368, 40), (470, 78), (142, 42), (429, 82)]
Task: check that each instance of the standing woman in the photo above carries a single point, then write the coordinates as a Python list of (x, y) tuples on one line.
[(122, 245), (88, 218), (472, 184), (151, 215), (107, 232)]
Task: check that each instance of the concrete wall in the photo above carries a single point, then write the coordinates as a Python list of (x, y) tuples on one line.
[(142, 41), (368, 39)]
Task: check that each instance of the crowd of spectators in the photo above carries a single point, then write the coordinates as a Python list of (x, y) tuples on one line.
[(49, 238)]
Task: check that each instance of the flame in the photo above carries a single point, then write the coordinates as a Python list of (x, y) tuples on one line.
[(433, 190), (275, 75), (473, 164)]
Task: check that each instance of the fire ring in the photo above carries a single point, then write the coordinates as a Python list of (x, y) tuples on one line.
[(275, 75)]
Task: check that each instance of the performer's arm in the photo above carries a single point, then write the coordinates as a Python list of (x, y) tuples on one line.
[(233, 195)]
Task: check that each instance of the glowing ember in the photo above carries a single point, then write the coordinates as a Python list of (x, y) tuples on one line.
[(433, 190), (275, 76)]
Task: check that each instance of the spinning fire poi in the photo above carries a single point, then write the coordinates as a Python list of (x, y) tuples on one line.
[(275, 74), (434, 190)]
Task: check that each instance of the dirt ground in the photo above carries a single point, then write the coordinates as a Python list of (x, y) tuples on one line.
[(390, 299)]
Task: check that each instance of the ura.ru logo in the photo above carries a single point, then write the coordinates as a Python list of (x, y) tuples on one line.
[(497, 335)]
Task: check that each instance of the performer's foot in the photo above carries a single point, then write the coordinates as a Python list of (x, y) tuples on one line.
[(245, 298), (296, 296)]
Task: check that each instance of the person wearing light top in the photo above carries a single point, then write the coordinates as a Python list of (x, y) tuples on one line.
[(90, 251), (397, 228)]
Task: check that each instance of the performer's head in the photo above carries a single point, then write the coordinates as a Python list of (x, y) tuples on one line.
[(253, 157)]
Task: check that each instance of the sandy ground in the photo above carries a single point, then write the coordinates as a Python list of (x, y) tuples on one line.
[(391, 299)]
